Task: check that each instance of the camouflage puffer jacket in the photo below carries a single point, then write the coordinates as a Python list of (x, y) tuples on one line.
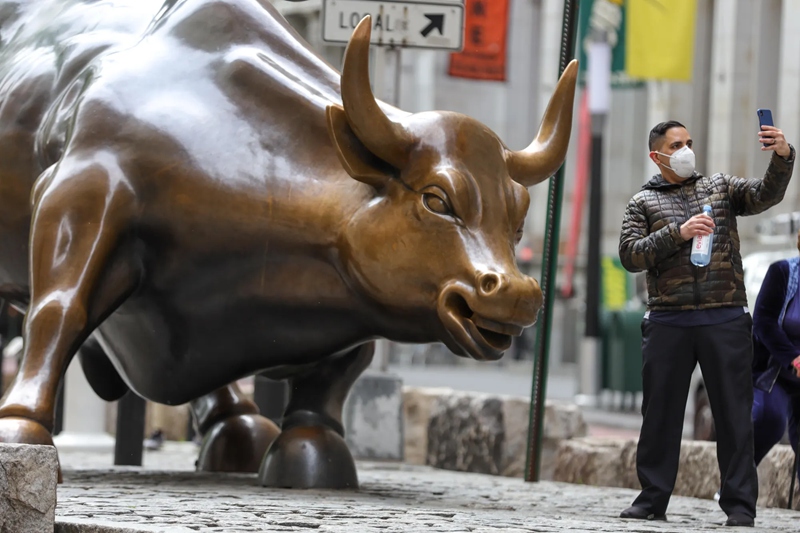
[(651, 238)]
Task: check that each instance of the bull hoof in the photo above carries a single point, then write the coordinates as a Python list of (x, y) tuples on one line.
[(237, 444), (309, 457), (19, 430)]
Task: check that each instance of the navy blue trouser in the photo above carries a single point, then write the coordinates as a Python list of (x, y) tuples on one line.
[(771, 411), (669, 355)]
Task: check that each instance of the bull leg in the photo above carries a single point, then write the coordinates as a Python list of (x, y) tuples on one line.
[(235, 435), (77, 279), (311, 452)]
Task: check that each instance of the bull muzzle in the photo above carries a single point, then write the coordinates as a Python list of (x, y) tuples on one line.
[(481, 319)]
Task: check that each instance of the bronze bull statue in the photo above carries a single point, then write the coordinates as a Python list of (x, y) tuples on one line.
[(190, 195)]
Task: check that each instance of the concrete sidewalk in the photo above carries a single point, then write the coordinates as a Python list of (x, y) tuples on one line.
[(166, 495)]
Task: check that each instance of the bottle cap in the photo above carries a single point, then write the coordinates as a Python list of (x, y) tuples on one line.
[(706, 208)]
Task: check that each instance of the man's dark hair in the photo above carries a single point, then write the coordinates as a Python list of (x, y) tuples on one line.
[(658, 132)]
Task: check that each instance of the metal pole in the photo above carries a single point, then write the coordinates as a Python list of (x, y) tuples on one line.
[(595, 219), (130, 430), (598, 71), (591, 352), (549, 264)]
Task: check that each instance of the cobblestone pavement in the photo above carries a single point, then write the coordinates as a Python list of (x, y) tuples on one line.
[(166, 495)]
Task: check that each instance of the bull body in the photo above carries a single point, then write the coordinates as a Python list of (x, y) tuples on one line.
[(236, 204), (186, 191)]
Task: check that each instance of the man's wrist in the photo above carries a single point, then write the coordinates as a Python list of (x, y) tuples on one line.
[(789, 158), (678, 231)]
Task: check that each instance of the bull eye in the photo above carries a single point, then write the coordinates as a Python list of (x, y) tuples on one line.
[(518, 236), (436, 204)]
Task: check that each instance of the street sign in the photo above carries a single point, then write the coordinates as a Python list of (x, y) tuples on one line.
[(406, 24)]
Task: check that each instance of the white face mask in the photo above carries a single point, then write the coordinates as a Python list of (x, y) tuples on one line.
[(682, 162)]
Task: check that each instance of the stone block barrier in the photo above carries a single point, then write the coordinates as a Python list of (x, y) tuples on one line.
[(611, 462), (28, 476), (483, 433)]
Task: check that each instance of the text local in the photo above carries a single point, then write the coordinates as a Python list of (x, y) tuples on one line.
[(382, 22)]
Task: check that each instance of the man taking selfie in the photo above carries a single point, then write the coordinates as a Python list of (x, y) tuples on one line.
[(696, 314)]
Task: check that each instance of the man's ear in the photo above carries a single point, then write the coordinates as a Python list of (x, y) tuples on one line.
[(359, 162)]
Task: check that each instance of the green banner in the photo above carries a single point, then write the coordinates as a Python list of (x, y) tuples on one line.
[(610, 19)]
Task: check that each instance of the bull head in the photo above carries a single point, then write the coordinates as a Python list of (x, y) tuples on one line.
[(449, 201)]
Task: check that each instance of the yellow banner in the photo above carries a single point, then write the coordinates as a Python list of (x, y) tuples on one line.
[(615, 283), (659, 42)]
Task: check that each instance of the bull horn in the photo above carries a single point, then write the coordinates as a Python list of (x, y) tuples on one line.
[(386, 139), (545, 154)]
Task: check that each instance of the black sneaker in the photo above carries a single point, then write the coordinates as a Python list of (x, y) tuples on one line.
[(740, 520), (638, 513)]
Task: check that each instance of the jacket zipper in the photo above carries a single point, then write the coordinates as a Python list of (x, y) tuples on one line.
[(694, 268)]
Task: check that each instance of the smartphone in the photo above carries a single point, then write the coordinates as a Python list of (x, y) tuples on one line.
[(764, 119)]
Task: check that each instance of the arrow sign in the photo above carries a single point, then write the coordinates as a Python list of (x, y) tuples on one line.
[(397, 23), (437, 23)]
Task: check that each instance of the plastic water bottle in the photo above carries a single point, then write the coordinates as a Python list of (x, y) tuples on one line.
[(701, 245)]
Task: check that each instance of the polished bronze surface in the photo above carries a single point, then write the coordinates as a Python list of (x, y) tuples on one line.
[(237, 444), (189, 189), (307, 457), (235, 436)]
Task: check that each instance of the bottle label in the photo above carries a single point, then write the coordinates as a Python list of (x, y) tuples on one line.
[(701, 244)]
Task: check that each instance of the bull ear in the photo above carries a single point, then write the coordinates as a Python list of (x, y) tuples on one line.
[(359, 162)]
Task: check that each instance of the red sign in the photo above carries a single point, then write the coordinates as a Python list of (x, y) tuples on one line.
[(485, 32)]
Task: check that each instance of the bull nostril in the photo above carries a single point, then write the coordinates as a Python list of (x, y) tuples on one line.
[(489, 283)]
